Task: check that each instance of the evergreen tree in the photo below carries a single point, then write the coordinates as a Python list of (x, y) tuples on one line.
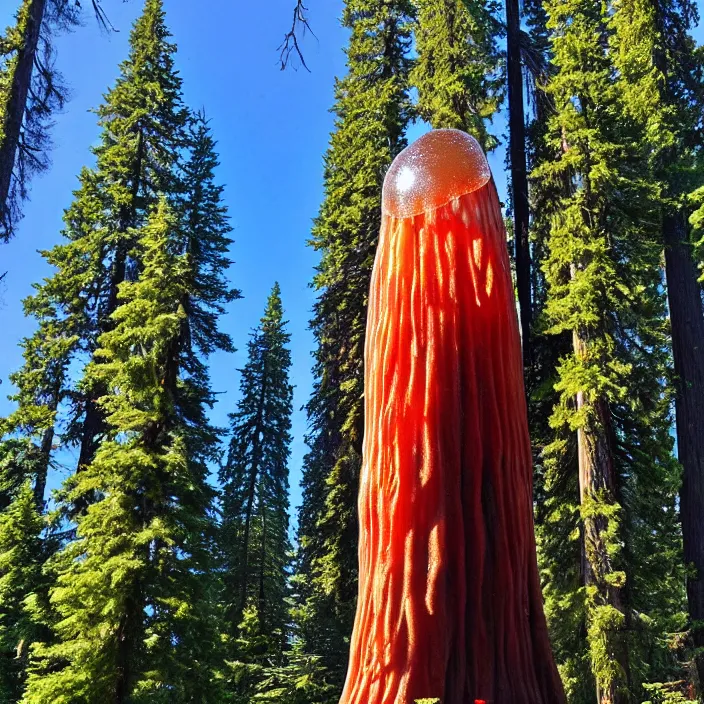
[(255, 489), (556, 472), (41, 387), (604, 290), (373, 110), (205, 239), (139, 154), (30, 91), (21, 557), (663, 83), (457, 72), (134, 591)]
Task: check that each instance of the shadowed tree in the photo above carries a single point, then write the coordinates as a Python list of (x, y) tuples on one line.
[(255, 522)]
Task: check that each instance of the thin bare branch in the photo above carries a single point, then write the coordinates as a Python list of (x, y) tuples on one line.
[(290, 45), (101, 16)]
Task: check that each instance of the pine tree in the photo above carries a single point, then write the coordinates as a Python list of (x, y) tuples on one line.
[(41, 387), (21, 556), (255, 541), (457, 72), (556, 472), (663, 83), (205, 239), (134, 591), (604, 290), (143, 121), (373, 110)]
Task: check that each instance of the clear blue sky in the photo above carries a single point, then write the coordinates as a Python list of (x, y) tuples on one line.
[(272, 128)]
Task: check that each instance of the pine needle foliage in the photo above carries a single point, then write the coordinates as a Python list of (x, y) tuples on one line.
[(31, 92), (605, 290), (133, 594), (255, 523), (21, 557), (458, 70)]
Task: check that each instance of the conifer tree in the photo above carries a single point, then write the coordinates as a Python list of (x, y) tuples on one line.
[(21, 557), (373, 110), (255, 484), (604, 290), (457, 72), (663, 84), (134, 592), (41, 387), (556, 472), (143, 121)]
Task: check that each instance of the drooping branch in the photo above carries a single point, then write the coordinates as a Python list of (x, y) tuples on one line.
[(291, 44)]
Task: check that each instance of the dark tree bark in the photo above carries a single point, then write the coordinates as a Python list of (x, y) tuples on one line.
[(15, 109), (519, 175), (597, 480), (687, 319)]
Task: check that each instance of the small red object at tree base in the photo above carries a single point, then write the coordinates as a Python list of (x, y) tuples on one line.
[(449, 601)]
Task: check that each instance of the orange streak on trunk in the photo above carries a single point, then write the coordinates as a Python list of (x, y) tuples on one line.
[(449, 598)]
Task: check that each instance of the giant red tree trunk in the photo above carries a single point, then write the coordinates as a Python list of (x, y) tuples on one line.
[(449, 598)]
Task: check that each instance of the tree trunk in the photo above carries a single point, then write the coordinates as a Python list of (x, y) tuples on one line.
[(16, 106), (687, 320), (262, 571), (597, 482), (43, 470), (519, 169), (128, 634)]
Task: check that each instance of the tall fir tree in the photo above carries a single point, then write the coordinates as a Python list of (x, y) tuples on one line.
[(21, 557), (605, 291), (255, 523), (663, 83), (458, 69), (138, 157), (556, 473), (372, 112), (30, 91), (134, 593)]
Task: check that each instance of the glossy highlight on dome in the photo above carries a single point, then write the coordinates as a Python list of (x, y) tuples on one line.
[(437, 167)]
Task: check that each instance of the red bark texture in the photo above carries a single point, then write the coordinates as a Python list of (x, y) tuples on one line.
[(449, 604)]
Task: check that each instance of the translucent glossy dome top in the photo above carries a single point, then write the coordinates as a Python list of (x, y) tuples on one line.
[(437, 167)]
